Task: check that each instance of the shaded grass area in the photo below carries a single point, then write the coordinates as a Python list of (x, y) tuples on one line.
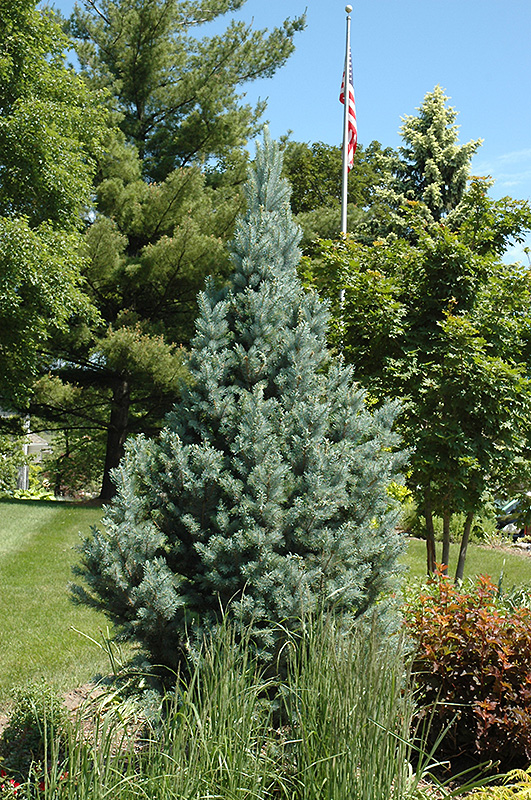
[(36, 554)]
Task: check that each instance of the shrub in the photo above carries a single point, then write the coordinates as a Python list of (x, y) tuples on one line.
[(36, 717), (473, 668)]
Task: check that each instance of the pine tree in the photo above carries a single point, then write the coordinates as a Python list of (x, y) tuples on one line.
[(167, 192), (267, 491)]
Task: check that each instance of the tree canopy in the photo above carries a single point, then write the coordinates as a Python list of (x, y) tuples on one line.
[(51, 127), (177, 92), (424, 316), (167, 192)]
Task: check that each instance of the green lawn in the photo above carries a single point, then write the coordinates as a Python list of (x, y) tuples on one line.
[(37, 541), (481, 560), (36, 554)]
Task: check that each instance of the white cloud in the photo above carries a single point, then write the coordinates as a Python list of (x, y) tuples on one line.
[(516, 156), (509, 170)]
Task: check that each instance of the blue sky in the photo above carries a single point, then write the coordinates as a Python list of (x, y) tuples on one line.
[(477, 50)]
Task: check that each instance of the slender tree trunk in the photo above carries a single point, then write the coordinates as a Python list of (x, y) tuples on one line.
[(430, 535), (460, 571), (116, 435), (59, 472), (445, 560)]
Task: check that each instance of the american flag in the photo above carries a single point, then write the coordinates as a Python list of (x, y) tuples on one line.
[(351, 123)]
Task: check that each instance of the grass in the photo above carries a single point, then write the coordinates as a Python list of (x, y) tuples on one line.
[(352, 714), (513, 566), (343, 733), (38, 620), (38, 640)]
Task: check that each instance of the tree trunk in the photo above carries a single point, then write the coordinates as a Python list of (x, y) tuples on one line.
[(464, 544), (59, 470), (430, 535), (445, 560), (116, 435)]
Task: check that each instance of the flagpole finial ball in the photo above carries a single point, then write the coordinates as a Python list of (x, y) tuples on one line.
[(348, 9)]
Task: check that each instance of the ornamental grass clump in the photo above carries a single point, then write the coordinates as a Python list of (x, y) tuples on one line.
[(267, 491), (351, 708), (473, 669), (347, 709)]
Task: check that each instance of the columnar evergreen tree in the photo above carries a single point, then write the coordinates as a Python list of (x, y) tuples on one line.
[(268, 490), (434, 167), (430, 170)]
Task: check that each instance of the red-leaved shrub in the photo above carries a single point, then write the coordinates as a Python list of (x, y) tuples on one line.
[(473, 662)]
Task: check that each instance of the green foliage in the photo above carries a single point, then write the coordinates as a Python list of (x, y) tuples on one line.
[(472, 669), (167, 192), (74, 466), (77, 441), (51, 126), (35, 720), (430, 170), (489, 225), (32, 263), (11, 459), (315, 174), (441, 322), (433, 167), (267, 489), (177, 92), (516, 786)]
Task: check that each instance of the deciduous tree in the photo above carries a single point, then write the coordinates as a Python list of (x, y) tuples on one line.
[(431, 322), (51, 125), (423, 318), (314, 172)]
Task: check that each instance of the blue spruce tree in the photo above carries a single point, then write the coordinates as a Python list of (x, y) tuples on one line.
[(267, 491)]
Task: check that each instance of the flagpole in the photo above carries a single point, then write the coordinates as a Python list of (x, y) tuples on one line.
[(344, 174), (344, 171)]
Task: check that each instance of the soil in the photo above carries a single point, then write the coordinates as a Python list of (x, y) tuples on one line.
[(72, 700)]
